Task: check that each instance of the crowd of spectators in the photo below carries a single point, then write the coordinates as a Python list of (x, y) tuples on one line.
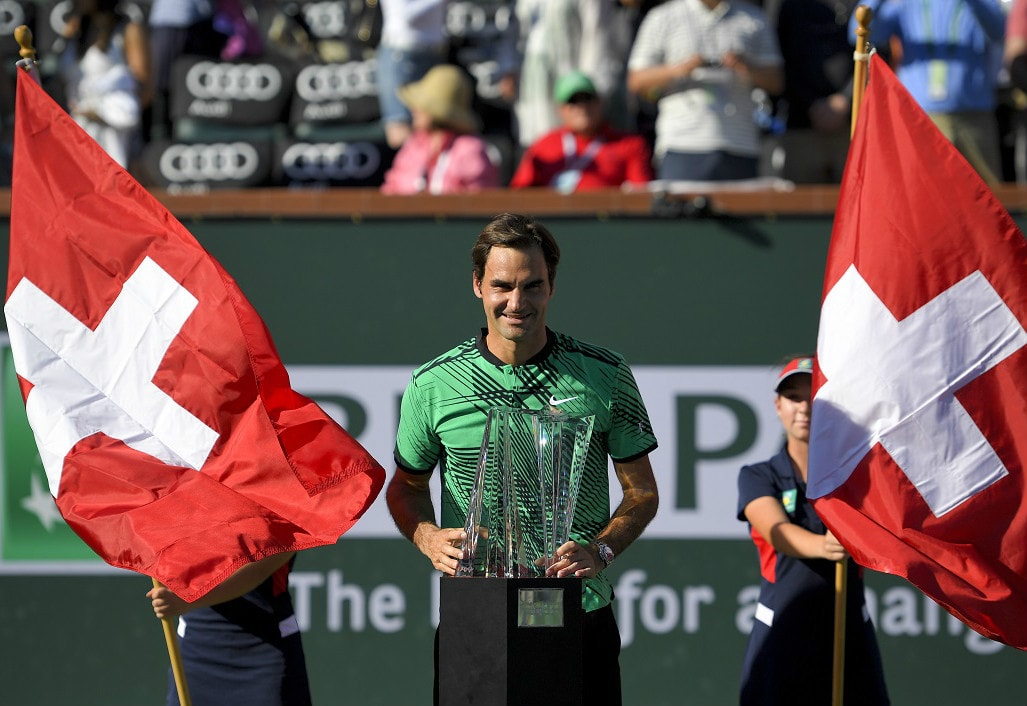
[(199, 94)]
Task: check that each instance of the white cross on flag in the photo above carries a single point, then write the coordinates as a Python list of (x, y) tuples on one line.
[(919, 422), (170, 435)]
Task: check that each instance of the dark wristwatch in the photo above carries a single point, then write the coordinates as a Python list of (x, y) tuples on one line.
[(606, 554)]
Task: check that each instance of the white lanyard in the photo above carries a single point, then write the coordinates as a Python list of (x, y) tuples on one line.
[(438, 172), (574, 164), (574, 161)]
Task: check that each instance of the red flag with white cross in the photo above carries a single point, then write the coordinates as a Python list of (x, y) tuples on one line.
[(919, 424), (170, 435)]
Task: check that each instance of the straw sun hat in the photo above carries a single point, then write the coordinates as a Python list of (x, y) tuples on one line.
[(445, 94)]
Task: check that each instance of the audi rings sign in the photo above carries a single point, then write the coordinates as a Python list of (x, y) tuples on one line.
[(483, 20), (482, 41), (354, 21), (330, 163), (12, 14), (226, 92), (344, 93), (48, 28), (179, 166)]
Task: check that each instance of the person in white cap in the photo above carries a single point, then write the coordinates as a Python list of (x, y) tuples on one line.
[(789, 656)]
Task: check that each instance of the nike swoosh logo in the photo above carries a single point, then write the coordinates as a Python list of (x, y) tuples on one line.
[(556, 403)]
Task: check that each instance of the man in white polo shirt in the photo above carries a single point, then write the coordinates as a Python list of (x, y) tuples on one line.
[(701, 60)]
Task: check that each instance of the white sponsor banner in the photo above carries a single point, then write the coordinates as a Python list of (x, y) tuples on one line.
[(710, 421)]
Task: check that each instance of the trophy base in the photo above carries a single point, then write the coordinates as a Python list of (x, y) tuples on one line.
[(510, 641)]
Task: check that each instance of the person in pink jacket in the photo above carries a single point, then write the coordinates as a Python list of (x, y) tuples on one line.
[(444, 154)]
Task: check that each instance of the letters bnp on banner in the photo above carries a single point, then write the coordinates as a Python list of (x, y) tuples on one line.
[(709, 422)]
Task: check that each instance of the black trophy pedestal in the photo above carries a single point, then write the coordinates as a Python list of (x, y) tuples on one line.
[(510, 642)]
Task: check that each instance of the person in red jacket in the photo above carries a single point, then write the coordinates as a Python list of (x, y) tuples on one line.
[(585, 153)]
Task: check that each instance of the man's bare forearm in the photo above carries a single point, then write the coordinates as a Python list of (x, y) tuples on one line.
[(633, 515)]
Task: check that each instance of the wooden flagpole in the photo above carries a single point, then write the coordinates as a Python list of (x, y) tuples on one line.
[(177, 669), (23, 35), (862, 59), (841, 590), (841, 574)]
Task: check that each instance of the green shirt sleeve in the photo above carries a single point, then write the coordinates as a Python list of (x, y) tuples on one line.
[(631, 433), (418, 446)]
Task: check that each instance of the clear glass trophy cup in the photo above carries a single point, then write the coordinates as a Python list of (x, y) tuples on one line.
[(522, 502)]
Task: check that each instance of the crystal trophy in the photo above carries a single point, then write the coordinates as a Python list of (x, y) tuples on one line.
[(522, 502)]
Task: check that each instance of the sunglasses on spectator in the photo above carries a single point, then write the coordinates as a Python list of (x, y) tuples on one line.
[(579, 98)]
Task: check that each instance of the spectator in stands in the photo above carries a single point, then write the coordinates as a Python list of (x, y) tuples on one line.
[(444, 154), (948, 64), (569, 35), (817, 102), (177, 28), (1015, 51), (7, 91), (236, 20), (585, 152), (640, 8), (105, 67), (641, 110), (484, 40), (701, 60), (413, 41)]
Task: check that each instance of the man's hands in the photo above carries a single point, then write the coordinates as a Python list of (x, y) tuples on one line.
[(573, 559), (443, 549), (441, 546)]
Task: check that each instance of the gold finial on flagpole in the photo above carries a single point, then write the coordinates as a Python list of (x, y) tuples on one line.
[(24, 37), (27, 62)]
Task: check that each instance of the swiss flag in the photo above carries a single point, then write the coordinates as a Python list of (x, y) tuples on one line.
[(919, 422), (171, 438)]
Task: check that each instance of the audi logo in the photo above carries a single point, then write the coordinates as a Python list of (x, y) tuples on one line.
[(325, 19), (11, 15), (59, 16), (464, 18), (253, 82), (306, 161), (212, 162), (336, 160), (60, 13), (318, 83)]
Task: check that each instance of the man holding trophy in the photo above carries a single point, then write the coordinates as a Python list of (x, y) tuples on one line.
[(517, 363)]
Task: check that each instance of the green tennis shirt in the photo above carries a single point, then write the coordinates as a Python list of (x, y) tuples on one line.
[(442, 420)]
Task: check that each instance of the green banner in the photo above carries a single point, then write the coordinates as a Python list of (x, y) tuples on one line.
[(33, 529), (701, 309)]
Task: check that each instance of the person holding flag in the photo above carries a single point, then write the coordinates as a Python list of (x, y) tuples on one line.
[(241, 643), (917, 449), (173, 442), (788, 659)]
